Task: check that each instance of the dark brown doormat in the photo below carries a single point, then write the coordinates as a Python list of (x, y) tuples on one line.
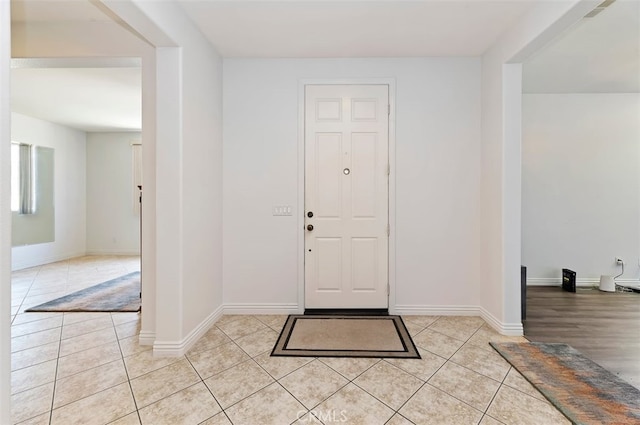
[(345, 336), (116, 295), (582, 390)]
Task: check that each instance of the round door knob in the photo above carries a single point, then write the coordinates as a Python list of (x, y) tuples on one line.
[(309, 227)]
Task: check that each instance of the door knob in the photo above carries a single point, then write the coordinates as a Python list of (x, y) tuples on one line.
[(309, 227)]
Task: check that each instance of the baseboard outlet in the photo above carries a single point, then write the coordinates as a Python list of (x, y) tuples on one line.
[(429, 310), (265, 308), (179, 348), (146, 338), (508, 329)]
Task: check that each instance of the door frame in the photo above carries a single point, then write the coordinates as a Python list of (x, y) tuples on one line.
[(391, 82)]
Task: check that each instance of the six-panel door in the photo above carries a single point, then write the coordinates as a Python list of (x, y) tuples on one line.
[(346, 195)]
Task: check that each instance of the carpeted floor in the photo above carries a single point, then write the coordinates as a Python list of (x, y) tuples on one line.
[(581, 389), (120, 294), (345, 336)]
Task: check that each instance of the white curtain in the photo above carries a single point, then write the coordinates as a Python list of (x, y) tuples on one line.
[(26, 180), (136, 152)]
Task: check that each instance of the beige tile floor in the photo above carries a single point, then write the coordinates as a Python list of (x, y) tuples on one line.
[(87, 368)]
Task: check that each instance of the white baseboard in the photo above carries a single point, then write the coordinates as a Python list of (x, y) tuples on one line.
[(508, 329), (179, 348), (543, 281), (432, 310), (47, 259), (146, 338), (582, 282), (262, 308), (113, 252)]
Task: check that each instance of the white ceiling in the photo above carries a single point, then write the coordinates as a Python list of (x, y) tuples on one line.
[(598, 54), (55, 11), (326, 29), (89, 99), (88, 94)]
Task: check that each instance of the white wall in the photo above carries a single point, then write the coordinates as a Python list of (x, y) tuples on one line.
[(501, 170), (69, 190), (5, 213), (580, 185), (437, 173), (113, 227), (188, 178)]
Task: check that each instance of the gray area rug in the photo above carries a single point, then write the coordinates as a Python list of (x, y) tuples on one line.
[(121, 294), (345, 336), (582, 390)]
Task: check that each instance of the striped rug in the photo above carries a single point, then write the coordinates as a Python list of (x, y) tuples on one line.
[(582, 390), (115, 295)]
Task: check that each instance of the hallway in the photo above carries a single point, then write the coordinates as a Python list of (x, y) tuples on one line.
[(88, 368)]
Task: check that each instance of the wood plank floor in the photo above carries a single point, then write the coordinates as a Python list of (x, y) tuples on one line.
[(604, 326)]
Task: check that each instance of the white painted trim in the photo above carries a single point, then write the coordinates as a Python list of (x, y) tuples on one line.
[(146, 337), (437, 310), (511, 190), (623, 281), (259, 308), (391, 82), (179, 348), (46, 260), (83, 62), (543, 281), (113, 252), (508, 329), (5, 213), (582, 282)]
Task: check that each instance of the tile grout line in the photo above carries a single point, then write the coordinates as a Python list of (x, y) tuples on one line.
[(396, 412), (237, 364), (495, 394), (222, 410), (326, 398), (421, 386), (447, 361), (27, 293), (55, 375), (126, 371)]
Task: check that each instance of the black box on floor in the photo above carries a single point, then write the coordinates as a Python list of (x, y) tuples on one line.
[(568, 280)]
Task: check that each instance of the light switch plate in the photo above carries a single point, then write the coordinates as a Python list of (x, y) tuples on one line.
[(282, 210)]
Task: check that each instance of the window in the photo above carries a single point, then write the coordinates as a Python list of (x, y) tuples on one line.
[(15, 176), (22, 178)]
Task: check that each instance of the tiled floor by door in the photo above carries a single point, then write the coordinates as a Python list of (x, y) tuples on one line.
[(88, 368)]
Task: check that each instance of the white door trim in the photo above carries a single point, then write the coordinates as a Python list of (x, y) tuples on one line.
[(391, 82)]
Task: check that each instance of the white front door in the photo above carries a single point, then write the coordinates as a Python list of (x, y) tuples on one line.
[(346, 196)]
